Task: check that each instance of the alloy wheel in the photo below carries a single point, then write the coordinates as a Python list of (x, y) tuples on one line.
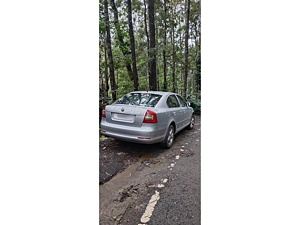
[(170, 136)]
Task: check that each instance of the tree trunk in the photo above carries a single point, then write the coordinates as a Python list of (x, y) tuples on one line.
[(109, 54), (132, 45), (173, 55), (186, 67), (157, 75), (152, 50), (200, 27), (147, 36), (165, 47), (123, 46), (102, 76), (157, 37), (101, 80), (106, 74)]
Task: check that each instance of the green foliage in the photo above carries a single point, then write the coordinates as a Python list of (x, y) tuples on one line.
[(175, 19), (125, 86), (195, 103), (103, 102), (144, 83), (198, 73)]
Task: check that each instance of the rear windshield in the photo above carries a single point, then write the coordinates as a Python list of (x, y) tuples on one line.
[(140, 99)]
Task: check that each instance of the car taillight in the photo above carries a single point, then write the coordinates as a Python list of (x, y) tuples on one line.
[(150, 117), (103, 112)]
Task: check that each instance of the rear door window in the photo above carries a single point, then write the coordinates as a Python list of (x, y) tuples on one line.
[(181, 101), (172, 102)]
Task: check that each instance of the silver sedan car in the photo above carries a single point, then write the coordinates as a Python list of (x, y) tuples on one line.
[(147, 117)]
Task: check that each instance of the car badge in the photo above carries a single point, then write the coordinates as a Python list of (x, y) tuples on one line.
[(122, 109)]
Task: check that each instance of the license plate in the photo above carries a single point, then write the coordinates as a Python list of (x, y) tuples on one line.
[(123, 117)]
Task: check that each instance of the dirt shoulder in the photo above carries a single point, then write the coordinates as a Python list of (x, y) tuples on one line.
[(115, 156)]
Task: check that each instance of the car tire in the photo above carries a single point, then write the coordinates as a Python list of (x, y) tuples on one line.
[(169, 139), (192, 123)]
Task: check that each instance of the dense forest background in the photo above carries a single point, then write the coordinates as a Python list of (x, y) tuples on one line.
[(149, 45)]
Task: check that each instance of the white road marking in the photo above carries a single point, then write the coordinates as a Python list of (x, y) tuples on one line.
[(129, 174), (121, 153), (155, 197), (150, 207)]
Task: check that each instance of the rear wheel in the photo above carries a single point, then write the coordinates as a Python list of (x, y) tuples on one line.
[(169, 139), (192, 123)]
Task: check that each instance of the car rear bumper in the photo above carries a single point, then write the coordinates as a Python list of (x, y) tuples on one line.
[(147, 134)]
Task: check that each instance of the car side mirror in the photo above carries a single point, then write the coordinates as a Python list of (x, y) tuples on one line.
[(188, 104)]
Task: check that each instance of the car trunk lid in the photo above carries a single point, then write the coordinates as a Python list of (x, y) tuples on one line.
[(130, 115)]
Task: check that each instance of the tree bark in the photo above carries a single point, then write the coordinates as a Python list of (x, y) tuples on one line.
[(147, 36), (165, 46), (123, 46), (102, 76), (186, 67), (173, 54), (101, 80), (200, 26), (132, 45), (106, 74), (109, 54), (152, 50)]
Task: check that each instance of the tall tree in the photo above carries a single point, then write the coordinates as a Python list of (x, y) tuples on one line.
[(106, 75), (165, 46), (102, 51), (152, 50), (173, 53), (103, 87), (109, 53), (161, 66), (147, 37), (198, 74), (132, 45), (200, 27), (186, 48), (123, 46)]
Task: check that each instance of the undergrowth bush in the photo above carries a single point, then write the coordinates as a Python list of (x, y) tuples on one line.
[(195, 103)]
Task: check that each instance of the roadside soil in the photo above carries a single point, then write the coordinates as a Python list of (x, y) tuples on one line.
[(115, 155), (130, 174)]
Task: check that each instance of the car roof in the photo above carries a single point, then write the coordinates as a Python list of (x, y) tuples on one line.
[(154, 92)]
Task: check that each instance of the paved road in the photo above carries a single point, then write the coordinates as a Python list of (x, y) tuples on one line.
[(161, 187)]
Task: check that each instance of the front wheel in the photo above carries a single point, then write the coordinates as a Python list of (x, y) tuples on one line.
[(169, 139), (192, 123)]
